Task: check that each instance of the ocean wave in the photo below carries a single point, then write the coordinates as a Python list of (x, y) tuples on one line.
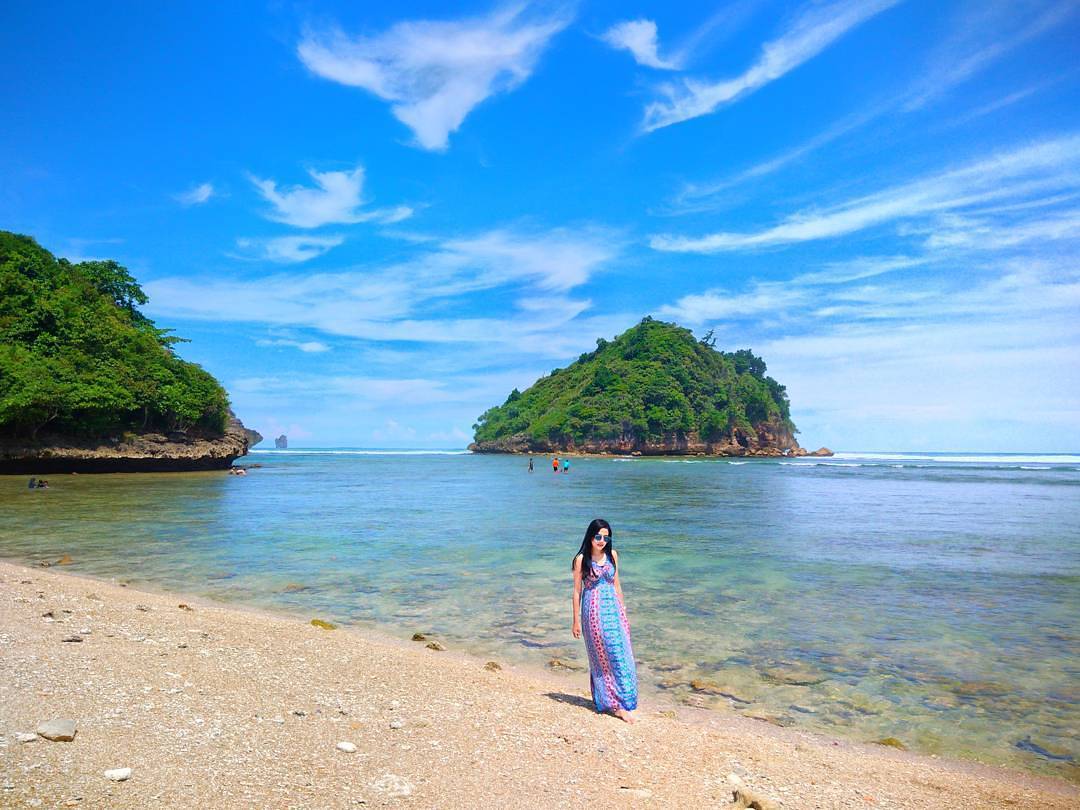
[(961, 458)]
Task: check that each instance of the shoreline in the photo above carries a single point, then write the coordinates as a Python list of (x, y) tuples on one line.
[(167, 692)]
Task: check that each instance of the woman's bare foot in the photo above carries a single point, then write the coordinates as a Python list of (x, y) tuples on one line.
[(625, 716)]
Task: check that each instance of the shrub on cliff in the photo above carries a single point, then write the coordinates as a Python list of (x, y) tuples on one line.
[(77, 356), (652, 383)]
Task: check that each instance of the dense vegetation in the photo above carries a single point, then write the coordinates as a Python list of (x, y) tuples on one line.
[(77, 356), (654, 382)]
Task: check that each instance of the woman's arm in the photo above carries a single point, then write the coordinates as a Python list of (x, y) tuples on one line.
[(618, 585), (575, 628)]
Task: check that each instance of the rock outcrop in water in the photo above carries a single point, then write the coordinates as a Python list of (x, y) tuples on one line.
[(178, 451), (653, 390), (282, 442)]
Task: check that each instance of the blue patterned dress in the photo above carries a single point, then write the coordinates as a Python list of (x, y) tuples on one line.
[(612, 671)]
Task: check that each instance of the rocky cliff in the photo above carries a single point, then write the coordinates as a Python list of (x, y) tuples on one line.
[(130, 452), (773, 438)]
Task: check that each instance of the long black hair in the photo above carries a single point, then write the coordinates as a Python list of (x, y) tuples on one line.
[(586, 546)]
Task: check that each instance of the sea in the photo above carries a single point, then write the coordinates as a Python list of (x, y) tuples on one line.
[(930, 598)]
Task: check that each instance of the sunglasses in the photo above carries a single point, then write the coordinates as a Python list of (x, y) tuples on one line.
[(602, 537)]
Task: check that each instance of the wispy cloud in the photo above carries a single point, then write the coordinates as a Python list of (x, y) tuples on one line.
[(307, 346), (435, 72), (640, 39), (336, 200), (288, 249), (425, 298), (810, 33), (983, 33), (986, 32), (1044, 167), (196, 195)]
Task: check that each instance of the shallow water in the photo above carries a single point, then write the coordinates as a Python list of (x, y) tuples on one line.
[(926, 597)]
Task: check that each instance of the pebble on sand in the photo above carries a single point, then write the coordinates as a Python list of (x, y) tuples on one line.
[(347, 747), (118, 774), (492, 666), (72, 638), (25, 737), (58, 730), (435, 645)]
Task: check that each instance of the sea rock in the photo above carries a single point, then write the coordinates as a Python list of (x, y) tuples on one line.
[(419, 637), (134, 452), (723, 690), (794, 676), (185, 606), (393, 786), (58, 730), (743, 798), (323, 625), (347, 747), (281, 442), (492, 666), (118, 774), (72, 638), (558, 663), (891, 742), (821, 452), (25, 737), (435, 645)]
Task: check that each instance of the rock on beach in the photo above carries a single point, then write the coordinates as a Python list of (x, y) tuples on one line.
[(59, 730)]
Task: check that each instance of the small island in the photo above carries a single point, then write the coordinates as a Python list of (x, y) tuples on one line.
[(653, 390), (90, 384)]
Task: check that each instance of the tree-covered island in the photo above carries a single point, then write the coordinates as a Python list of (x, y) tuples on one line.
[(653, 390), (89, 383)]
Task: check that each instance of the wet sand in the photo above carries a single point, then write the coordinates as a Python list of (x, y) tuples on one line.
[(220, 706)]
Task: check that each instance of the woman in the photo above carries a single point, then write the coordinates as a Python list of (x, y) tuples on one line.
[(598, 607)]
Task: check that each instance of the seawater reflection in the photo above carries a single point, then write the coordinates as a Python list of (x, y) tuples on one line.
[(931, 599)]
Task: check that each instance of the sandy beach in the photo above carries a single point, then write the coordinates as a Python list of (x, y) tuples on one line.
[(219, 706)]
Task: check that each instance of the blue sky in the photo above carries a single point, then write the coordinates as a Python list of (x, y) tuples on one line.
[(374, 220)]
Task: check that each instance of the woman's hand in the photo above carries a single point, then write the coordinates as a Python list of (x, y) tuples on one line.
[(576, 629)]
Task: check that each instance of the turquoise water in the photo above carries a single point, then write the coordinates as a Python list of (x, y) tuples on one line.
[(932, 598)]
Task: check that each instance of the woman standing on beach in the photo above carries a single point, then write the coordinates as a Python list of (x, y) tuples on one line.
[(599, 608)]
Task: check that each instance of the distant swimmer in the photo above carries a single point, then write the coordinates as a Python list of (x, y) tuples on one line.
[(555, 465), (566, 465), (530, 465)]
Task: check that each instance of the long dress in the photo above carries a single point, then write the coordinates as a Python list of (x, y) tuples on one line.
[(612, 671)]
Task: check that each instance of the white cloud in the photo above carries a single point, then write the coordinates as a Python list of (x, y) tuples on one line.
[(638, 37), (1046, 166), (289, 249), (197, 195), (307, 346), (810, 33), (435, 72), (336, 200)]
